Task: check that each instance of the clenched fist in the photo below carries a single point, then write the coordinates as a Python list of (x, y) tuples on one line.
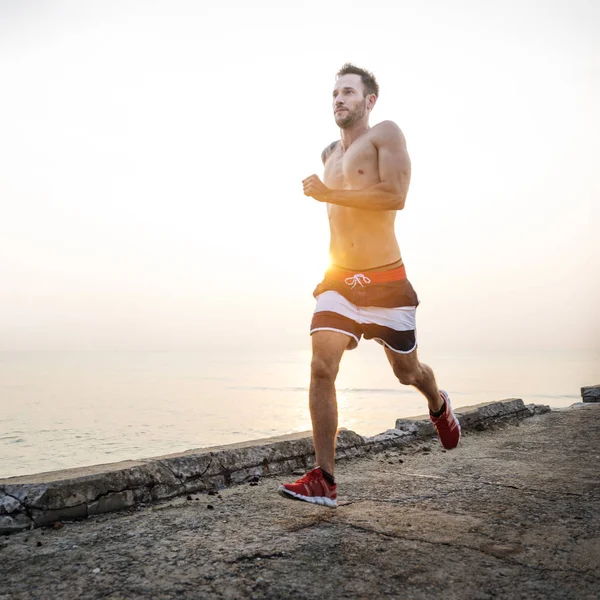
[(315, 188)]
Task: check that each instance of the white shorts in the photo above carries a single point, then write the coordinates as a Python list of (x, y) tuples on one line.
[(394, 328)]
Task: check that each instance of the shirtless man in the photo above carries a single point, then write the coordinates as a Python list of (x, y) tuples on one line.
[(365, 291)]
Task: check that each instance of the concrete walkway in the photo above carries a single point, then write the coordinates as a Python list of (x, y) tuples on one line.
[(514, 512)]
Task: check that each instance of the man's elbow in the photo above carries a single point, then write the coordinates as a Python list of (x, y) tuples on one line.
[(398, 201), (395, 197)]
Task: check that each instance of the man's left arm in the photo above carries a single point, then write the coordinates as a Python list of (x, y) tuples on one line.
[(394, 174)]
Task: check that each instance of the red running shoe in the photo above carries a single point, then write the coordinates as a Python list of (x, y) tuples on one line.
[(447, 425), (313, 487)]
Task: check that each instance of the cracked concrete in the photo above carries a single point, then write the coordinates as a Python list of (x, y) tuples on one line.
[(79, 493), (513, 512)]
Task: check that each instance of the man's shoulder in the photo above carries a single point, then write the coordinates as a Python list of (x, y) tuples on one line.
[(387, 128), (388, 131), (328, 150)]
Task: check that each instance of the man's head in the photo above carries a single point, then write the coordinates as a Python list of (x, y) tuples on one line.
[(354, 95)]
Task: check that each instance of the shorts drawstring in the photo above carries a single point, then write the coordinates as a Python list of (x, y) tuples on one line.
[(357, 278)]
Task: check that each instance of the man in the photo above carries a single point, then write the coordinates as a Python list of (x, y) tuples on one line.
[(365, 291)]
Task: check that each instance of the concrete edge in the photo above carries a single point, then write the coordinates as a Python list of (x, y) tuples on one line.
[(33, 501)]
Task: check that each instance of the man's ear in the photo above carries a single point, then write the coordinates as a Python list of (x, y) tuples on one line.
[(371, 99)]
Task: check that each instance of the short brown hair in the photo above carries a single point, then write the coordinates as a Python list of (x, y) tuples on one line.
[(368, 79)]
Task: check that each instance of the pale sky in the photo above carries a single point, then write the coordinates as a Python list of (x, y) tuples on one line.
[(152, 155)]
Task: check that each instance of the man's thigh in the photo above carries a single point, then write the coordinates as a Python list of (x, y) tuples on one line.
[(329, 346), (403, 365)]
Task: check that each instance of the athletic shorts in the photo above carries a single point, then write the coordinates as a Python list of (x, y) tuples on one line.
[(377, 304)]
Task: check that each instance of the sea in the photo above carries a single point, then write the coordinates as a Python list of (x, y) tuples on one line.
[(63, 410)]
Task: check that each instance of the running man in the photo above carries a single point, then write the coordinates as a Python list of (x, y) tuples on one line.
[(365, 291)]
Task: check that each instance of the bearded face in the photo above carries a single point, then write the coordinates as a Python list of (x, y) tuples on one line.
[(349, 101), (346, 117)]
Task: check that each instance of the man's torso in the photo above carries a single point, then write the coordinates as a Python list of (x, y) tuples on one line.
[(360, 238)]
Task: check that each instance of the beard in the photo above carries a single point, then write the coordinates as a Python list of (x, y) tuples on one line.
[(348, 118)]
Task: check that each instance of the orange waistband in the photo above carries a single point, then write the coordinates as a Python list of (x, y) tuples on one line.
[(368, 276)]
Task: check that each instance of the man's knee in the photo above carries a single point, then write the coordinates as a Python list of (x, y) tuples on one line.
[(407, 375), (324, 368)]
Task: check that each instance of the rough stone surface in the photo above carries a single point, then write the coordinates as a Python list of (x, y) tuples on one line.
[(590, 393), (478, 417), (512, 513), (79, 493), (15, 522)]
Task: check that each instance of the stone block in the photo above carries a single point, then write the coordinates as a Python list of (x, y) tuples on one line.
[(392, 438), (420, 428), (110, 502), (25, 493), (194, 486), (537, 409), (71, 513), (497, 410), (348, 439), (190, 466), (590, 393), (8, 504), (85, 489), (389, 435), (14, 523)]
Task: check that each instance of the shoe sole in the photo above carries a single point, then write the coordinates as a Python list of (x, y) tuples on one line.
[(321, 500)]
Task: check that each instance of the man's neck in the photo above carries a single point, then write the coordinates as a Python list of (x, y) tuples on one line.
[(351, 134)]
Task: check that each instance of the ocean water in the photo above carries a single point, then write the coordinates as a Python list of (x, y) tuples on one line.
[(68, 410)]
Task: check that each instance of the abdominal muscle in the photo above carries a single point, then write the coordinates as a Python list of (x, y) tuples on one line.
[(362, 239)]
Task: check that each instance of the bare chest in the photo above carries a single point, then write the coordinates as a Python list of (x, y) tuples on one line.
[(354, 168)]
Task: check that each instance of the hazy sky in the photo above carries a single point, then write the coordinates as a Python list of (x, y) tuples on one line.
[(151, 158)]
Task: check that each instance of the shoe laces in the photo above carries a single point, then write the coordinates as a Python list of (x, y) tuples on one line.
[(445, 421), (311, 476)]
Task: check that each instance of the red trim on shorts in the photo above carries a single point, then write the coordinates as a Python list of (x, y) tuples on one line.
[(375, 276)]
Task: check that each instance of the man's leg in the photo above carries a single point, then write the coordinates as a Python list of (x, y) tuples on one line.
[(410, 371), (328, 348)]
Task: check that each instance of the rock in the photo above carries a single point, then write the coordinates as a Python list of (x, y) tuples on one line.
[(108, 503), (210, 507), (14, 522), (536, 409), (415, 427), (96, 571), (8, 504), (591, 393)]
